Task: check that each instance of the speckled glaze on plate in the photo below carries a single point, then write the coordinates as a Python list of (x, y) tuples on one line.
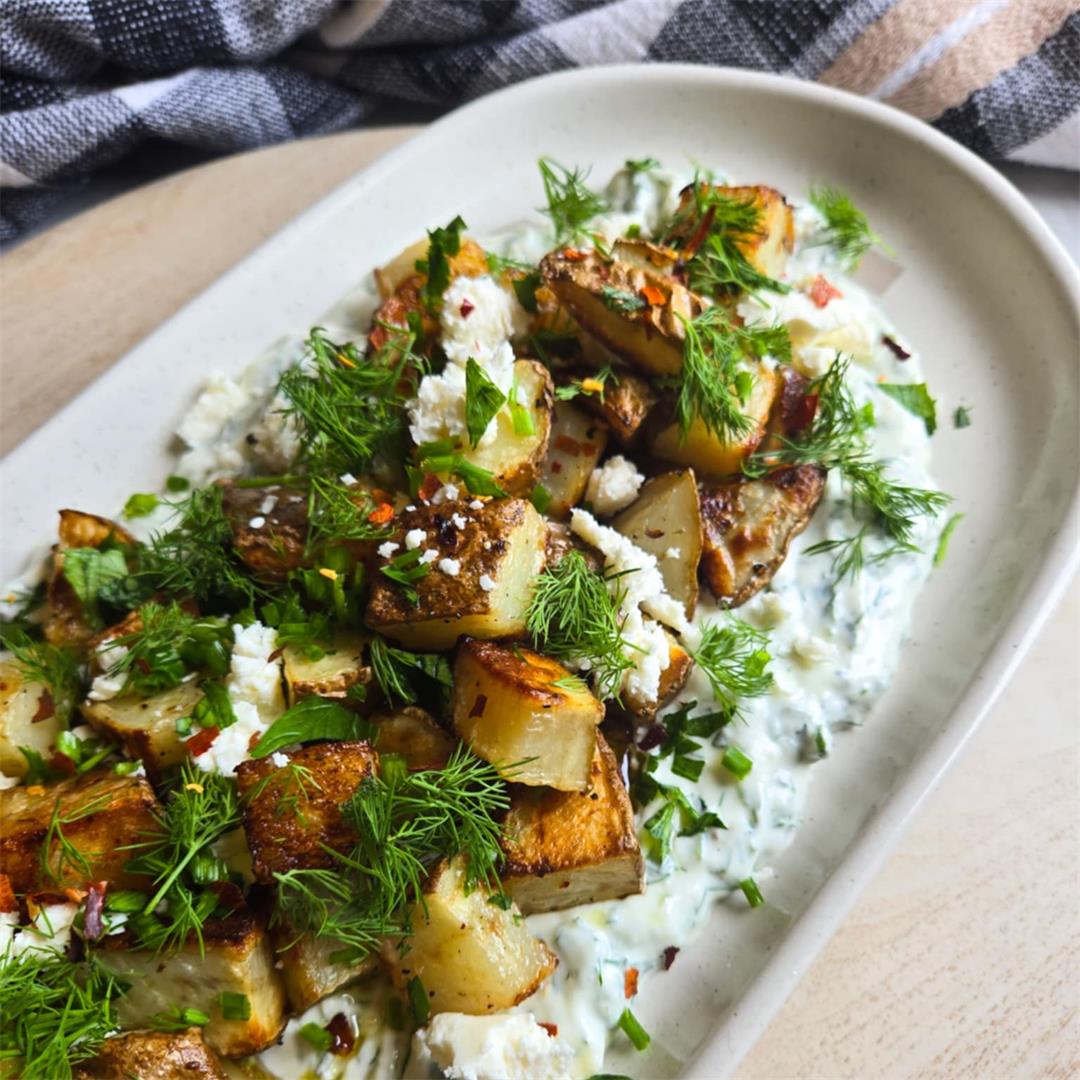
[(986, 294)]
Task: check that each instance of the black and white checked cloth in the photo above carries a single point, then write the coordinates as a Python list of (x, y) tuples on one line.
[(86, 82)]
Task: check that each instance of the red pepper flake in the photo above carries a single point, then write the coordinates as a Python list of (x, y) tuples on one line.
[(895, 347), (589, 449), (698, 237), (652, 738), (61, 763), (630, 982), (381, 514), (573, 255), (201, 741), (93, 921), (568, 445), (669, 956), (344, 1039), (551, 1029), (467, 308), (653, 296), (822, 291), (46, 708), (479, 705), (430, 484), (556, 466)]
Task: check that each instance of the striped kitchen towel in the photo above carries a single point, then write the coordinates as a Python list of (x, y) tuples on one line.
[(84, 82)]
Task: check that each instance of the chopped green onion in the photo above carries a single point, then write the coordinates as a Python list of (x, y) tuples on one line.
[(943, 540), (126, 901), (633, 1029), (687, 767), (736, 762), (522, 418), (418, 999), (127, 768), (234, 1006), (317, 1036), (752, 892), (540, 498), (140, 505), (176, 484)]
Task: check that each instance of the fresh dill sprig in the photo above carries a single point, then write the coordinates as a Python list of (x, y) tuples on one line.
[(735, 659), (60, 858), (404, 823), (406, 677), (715, 383), (56, 668), (574, 616), (56, 1013), (338, 512), (202, 809), (849, 555), (847, 230), (570, 204)]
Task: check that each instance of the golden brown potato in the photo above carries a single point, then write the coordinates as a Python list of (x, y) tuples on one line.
[(27, 718), (625, 403), (416, 736), (645, 255), (561, 541), (236, 958), (100, 814), (292, 813), (332, 675), (577, 442), (767, 250), (526, 714), (497, 555), (278, 544), (470, 955), (565, 848), (707, 453), (792, 412), (672, 680), (665, 521), (515, 460), (153, 1055), (636, 313), (79, 529), (749, 525), (146, 727), (307, 969)]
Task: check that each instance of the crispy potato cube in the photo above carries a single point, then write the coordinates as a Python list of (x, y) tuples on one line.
[(416, 736), (577, 443), (332, 675), (498, 554), (27, 718), (625, 403), (153, 1055), (707, 453), (645, 255), (636, 313), (767, 250), (749, 525), (279, 543), (100, 815), (307, 970), (78, 530), (565, 848), (146, 727), (515, 460), (665, 521), (561, 541), (293, 813), (508, 707), (672, 680), (236, 958), (470, 955)]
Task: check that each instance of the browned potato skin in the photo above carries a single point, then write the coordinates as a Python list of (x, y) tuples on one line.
[(561, 541), (153, 1055), (294, 836), (27, 719), (450, 607), (650, 339), (416, 735), (333, 675), (307, 971), (625, 403), (104, 836), (645, 255), (279, 545), (576, 445), (672, 680), (666, 514), (749, 525), (568, 848)]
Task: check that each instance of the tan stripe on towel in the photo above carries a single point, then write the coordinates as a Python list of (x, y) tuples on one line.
[(886, 44), (985, 53)]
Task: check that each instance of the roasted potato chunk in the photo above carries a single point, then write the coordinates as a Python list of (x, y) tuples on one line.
[(561, 541), (577, 443), (515, 460), (645, 255), (470, 955), (307, 970), (270, 538), (565, 848), (292, 813), (749, 525), (100, 815), (27, 718), (672, 680), (625, 403), (767, 248), (497, 554), (332, 675), (665, 521), (416, 736), (146, 726), (509, 706), (705, 451), (636, 313), (236, 957), (153, 1055)]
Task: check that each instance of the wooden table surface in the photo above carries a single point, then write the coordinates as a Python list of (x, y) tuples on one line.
[(962, 959)]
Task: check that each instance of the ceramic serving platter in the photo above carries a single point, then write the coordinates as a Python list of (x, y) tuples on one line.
[(986, 294)]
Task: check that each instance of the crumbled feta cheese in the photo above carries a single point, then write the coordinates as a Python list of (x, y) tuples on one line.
[(268, 504), (450, 566), (414, 538), (447, 493), (205, 421), (673, 553), (459, 521), (274, 440), (387, 549), (613, 486), (107, 686), (476, 504), (50, 931), (279, 759), (486, 582), (429, 556), (8, 781), (257, 522), (811, 649), (253, 676), (347, 479), (511, 1046), (232, 743), (205, 464)]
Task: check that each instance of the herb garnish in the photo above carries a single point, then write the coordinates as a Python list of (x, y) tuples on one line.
[(483, 399), (943, 540), (406, 569), (735, 659), (962, 417), (54, 667), (312, 719), (406, 677), (621, 300), (914, 397), (570, 204), (442, 243), (91, 572), (847, 230)]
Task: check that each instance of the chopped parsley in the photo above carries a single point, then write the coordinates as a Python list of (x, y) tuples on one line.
[(442, 244), (962, 417), (483, 399)]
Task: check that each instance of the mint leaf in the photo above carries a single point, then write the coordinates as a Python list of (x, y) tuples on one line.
[(916, 399), (310, 720), (483, 399)]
